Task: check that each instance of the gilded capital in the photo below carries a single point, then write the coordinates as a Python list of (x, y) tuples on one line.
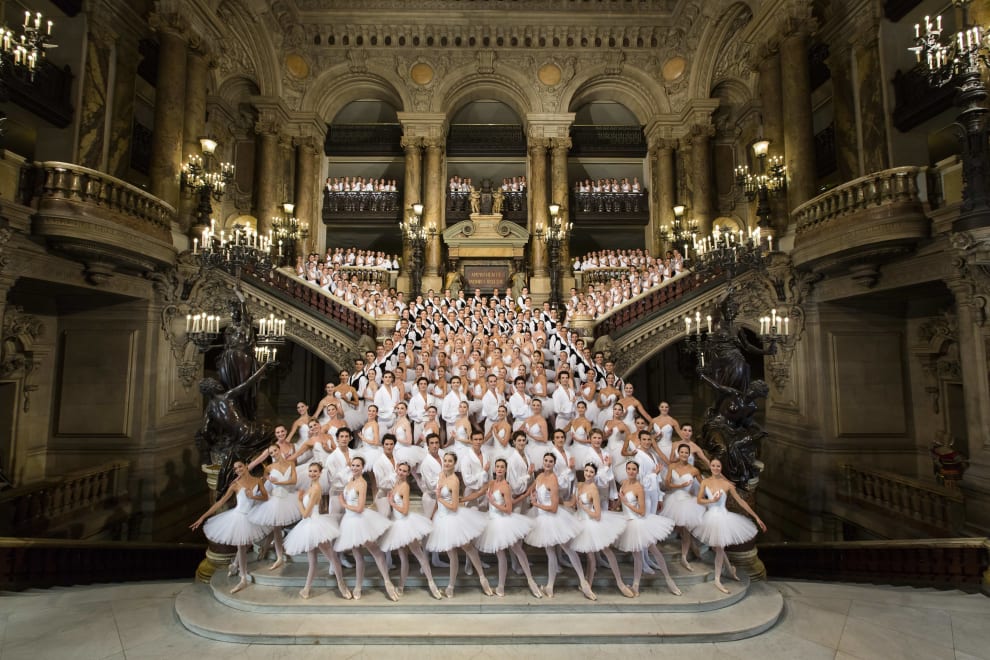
[(411, 143), (435, 142), (561, 144), (172, 23)]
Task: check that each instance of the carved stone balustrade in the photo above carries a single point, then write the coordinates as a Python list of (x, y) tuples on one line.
[(630, 209), (862, 223), (103, 222), (514, 207)]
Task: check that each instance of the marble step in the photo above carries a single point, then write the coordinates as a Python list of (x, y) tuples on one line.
[(472, 618)]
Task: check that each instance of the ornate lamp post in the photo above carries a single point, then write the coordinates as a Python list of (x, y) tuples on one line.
[(769, 180), (286, 229), (960, 61), (206, 179), (554, 236), (416, 233)]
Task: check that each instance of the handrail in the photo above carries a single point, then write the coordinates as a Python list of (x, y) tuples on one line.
[(637, 309), (898, 184), (923, 502), (70, 182), (319, 300)]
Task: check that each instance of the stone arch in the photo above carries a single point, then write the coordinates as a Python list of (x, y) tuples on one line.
[(450, 97), (337, 87), (729, 30), (238, 89), (635, 90), (252, 38)]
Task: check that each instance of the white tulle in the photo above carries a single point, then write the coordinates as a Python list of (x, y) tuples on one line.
[(356, 529), (234, 527), (551, 528), (317, 528), (598, 534), (720, 527), (280, 509), (452, 529), (502, 529), (404, 530)]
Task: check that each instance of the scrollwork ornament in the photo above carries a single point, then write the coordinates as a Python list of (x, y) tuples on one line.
[(20, 332)]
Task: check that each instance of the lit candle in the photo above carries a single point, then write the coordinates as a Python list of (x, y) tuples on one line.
[(709, 318), (702, 358), (938, 22), (697, 320), (786, 324), (27, 18), (49, 28), (917, 31), (188, 322), (770, 243), (261, 326), (195, 245), (274, 354), (687, 325)]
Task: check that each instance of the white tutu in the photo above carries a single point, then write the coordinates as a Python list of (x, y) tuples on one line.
[(598, 534), (643, 532), (234, 527), (411, 454), (720, 528), (552, 528), (404, 530), (681, 507), (356, 529), (309, 533), (369, 453), (452, 529), (279, 510), (503, 530)]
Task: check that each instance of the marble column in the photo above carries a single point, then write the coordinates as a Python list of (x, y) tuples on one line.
[(560, 193), (872, 110), (170, 100), (306, 186), (266, 168), (412, 185), (799, 138), (96, 97), (844, 114), (193, 126), (702, 181), (665, 192), (122, 121), (538, 210), (772, 115), (433, 191), (973, 354)]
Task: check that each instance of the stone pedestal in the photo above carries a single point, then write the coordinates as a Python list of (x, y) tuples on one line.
[(218, 556)]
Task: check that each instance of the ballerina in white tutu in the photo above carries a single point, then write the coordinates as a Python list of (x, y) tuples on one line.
[(234, 527), (719, 527), (643, 530), (455, 526), (505, 529), (554, 527), (680, 503), (361, 527), (280, 509), (314, 532), (599, 528), (406, 531)]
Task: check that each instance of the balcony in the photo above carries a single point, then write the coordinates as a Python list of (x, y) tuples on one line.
[(862, 223), (514, 207), (98, 220)]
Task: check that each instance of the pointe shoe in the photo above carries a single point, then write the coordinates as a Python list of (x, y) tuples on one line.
[(626, 591), (356, 593), (673, 587), (500, 592), (733, 574), (588, 593), (718, 585), (345, 593), (547, 591), (486, 587), (535, 589), (240, 585), (345, 562), (390, 591), (434, 591), (449, 591), (686, 565), (469, 569), (232, 570), (279, 563), (635, 590), (304, 593)]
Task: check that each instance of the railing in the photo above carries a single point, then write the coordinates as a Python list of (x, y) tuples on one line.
[(37, 507), (514, 206), (48, 94), (364, 140), (133, 207), (928, 504), (957, 563), (600, 203), (899, 184), (360, 203), (670, 292), (368, 275), (603, 275), (322, 302), (37, 563), (486, 140), (611, 140)]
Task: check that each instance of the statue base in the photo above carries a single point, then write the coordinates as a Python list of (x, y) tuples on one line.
[(214, 560), (748, 561)]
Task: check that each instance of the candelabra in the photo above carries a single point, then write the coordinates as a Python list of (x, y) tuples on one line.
[(21, 55), (287, 229), (961, 62), (681, 232), (416, 234), (770, 180), (203, 330), (554, 236), (242, 247), (706, 334), (206, 179), (270, 336)]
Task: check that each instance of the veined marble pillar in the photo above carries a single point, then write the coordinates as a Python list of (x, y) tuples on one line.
[(559, 194), (411, 194), (665, 190), (170, 100), (433, 191), (799, 138), (122, 121), (772, 98), (844, 114), (538, 210), (194, 125), (266, 154), (308, 185), (872, 114), (703, 183), (97, 96)]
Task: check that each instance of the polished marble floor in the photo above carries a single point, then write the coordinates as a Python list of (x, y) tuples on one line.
[(821, 620)]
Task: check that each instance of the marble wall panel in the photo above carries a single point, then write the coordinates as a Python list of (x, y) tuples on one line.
[(868, 384), (95, 382)]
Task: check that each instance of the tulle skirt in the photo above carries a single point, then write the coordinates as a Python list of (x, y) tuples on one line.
[(681, 507), (411, 454), (598, 534), (233, 528), (404, 531), (279, 510), (552, 528), (369, 453), (720, 528), (501, 531), (452, 529), (310, 533), (643, 532), (356, 529)]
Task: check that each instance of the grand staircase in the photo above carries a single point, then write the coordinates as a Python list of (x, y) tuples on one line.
[(271, 612)]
